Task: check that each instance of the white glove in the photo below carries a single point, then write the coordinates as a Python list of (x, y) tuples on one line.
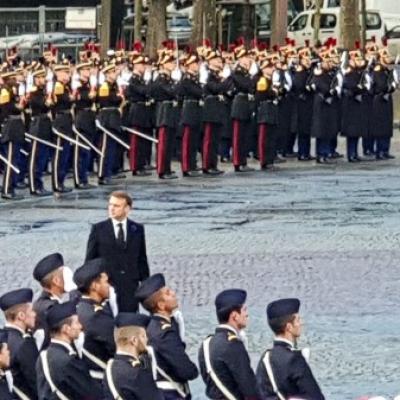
[(29, 82), (176, 75), (314, 87), (152, 354), (79, 343), (49, 87), (39, 336), (288, 81), (155, 75), (93, 81), (69, 284), (226, 72), (49, 75), (147, 75), (178, 316), (75, 84), (113, 301), (21, 89), (102, 78), (253, 69), (276, 81), (203, 74)]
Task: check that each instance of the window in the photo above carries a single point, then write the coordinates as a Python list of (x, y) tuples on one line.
[(394, 33), (55, 20), (328, 21), (333, 3), (299, 24), (373, 21), (18, 23)]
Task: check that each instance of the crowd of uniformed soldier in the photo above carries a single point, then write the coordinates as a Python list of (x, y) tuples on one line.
[(222, 104), (71, 343)]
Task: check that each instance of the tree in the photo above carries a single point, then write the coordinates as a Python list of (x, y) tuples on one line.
[(156, 26), (350, 27), (204, 22), (279, 14)]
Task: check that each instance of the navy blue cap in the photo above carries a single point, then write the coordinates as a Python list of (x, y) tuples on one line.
[(3, 336), (148, 287), (46, 265), (88, 272), (59, 312), (282, 308), (19, 296), (230, 298), (131, 319)]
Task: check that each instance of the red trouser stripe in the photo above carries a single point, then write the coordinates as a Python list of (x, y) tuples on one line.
[(206, 145), (236, 143), (186, 149), (262, 137), (133, 152), (161, 149)]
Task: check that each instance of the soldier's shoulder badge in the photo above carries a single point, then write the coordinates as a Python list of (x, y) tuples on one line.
[(104, 90), (4, 96), (262, 84), (59, 89), (231, 337), (165, 325), (378, 68)]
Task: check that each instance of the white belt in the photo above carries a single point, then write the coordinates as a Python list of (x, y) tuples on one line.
[(96, 374), (166, 385)]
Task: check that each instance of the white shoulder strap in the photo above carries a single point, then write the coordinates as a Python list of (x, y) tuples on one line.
[(211, 372), (268, 367), (46, 371), (100, 363), (173, 385), (21, 395), (110, 381)]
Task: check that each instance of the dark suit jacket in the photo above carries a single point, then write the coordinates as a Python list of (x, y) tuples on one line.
[(125, 267)]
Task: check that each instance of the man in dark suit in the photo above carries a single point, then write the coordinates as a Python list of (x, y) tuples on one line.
[(121, 242)]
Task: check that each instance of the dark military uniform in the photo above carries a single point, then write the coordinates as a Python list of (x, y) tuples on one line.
[(241, 114), (267, 119), (354, 111), (140, 118), (382, 110), (98, 325), (68, 373), (85, 118), (325, 118), (63, 123), (131, 378), (302, 111), (191, 119), (231, 364), (110, 118), (40, 127), (5, 393), (12, 137), (172, 360), (165, 92), (291, 372), (24, 354), (215, 116)]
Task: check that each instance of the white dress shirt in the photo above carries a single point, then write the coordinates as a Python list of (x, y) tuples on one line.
[(116, 227)]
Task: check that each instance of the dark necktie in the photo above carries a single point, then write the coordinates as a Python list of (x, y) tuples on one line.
[(120, 237)]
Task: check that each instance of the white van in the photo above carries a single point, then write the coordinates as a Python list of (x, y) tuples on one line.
[(302, 27)]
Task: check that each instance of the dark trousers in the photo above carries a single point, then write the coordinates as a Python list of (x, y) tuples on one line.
[(304, 145), (165, 149), (190, 142), (10, 177), (383, 146), (139, 148), (81, 164), (239, 142), (368, 145), (60, 165), (333, 145), (37, 164), (290, 141), (266, 145), (125, 297), (323, 147), (225, 147), (211, 140), (106, 163), (352, 147)]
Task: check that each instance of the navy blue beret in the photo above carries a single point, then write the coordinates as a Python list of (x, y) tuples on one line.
[(59, 312), (131, 319), (230, 298), (148, 287), (88, 272), (48, 264), (282, 308), (19, 296)]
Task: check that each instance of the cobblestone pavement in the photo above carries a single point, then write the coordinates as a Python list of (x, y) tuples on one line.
[(329, 235)]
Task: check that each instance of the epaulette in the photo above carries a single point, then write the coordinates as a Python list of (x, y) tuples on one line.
[(58, 89), (165, 325), (4, 96), (104, 90), (32, 89), (232, 336), (135, 363), (98, 307), (299, 68), (262, 84), (378, 68)]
